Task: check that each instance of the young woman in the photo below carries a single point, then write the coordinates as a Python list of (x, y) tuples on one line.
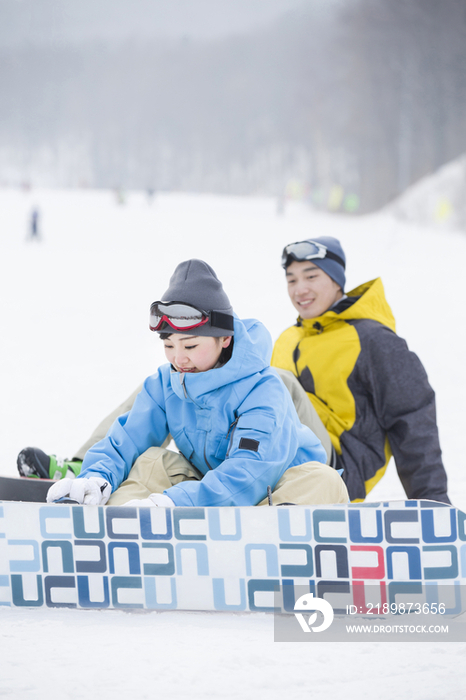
[(230, 415)]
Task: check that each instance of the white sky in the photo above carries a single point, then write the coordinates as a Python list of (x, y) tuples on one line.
[(69, 21)]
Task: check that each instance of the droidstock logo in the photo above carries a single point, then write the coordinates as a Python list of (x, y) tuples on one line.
[(307, 603)]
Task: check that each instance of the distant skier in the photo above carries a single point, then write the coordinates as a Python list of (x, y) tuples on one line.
[(34, 233), (229, 413)]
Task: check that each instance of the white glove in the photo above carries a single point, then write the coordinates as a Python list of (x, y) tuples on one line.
[(93, 491), (60, 489), (155, 499)]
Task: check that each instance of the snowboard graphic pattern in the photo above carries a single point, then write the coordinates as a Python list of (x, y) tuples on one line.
[(227, 558)]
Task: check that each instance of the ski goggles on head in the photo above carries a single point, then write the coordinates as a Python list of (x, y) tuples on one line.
[(184, 317), (308, 250)]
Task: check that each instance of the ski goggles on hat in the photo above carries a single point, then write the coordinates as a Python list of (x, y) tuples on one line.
[(184, 317), (308, 250)]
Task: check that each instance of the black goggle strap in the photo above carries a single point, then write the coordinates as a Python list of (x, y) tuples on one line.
[(219, 320)]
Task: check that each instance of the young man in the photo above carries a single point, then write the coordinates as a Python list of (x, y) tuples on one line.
[(370, 392)]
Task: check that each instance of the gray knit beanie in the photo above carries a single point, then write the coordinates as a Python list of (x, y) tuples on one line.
[(195, 282)]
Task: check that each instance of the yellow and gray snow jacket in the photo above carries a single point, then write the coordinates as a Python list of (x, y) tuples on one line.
[(370, 391)]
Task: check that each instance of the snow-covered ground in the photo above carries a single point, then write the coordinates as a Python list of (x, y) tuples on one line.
[(75, 342)]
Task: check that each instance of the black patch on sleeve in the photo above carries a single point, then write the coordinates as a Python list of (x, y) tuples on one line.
[(249, 444)]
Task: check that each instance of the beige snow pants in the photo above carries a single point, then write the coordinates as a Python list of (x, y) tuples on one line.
[(157, 469)]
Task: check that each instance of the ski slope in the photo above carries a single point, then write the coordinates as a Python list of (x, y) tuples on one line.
[(75, 342)]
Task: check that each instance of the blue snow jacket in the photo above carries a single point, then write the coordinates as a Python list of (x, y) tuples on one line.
[(236, 424)]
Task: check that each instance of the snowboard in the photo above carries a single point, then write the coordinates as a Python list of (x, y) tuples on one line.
[(239, 559), (22, 488)]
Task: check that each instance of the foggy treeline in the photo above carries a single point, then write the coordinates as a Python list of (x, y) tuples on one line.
[(368, 99)]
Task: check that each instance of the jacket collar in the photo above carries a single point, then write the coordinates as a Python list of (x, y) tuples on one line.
[(364, 302), (252, 352)]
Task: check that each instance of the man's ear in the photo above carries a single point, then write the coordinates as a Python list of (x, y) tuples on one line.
[(226, 341)]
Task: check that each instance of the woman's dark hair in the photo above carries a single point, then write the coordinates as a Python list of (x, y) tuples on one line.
[(227, 352), (225, 355)]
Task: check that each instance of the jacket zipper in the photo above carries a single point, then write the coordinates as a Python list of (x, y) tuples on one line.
[(205, 443), (205, 456), (184, 388), (231, 431)]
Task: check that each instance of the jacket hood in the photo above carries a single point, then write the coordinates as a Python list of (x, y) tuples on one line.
[(369, 303), (252, 352)]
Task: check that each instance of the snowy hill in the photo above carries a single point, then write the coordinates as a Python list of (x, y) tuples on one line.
[(438, 200), (75, 343)]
